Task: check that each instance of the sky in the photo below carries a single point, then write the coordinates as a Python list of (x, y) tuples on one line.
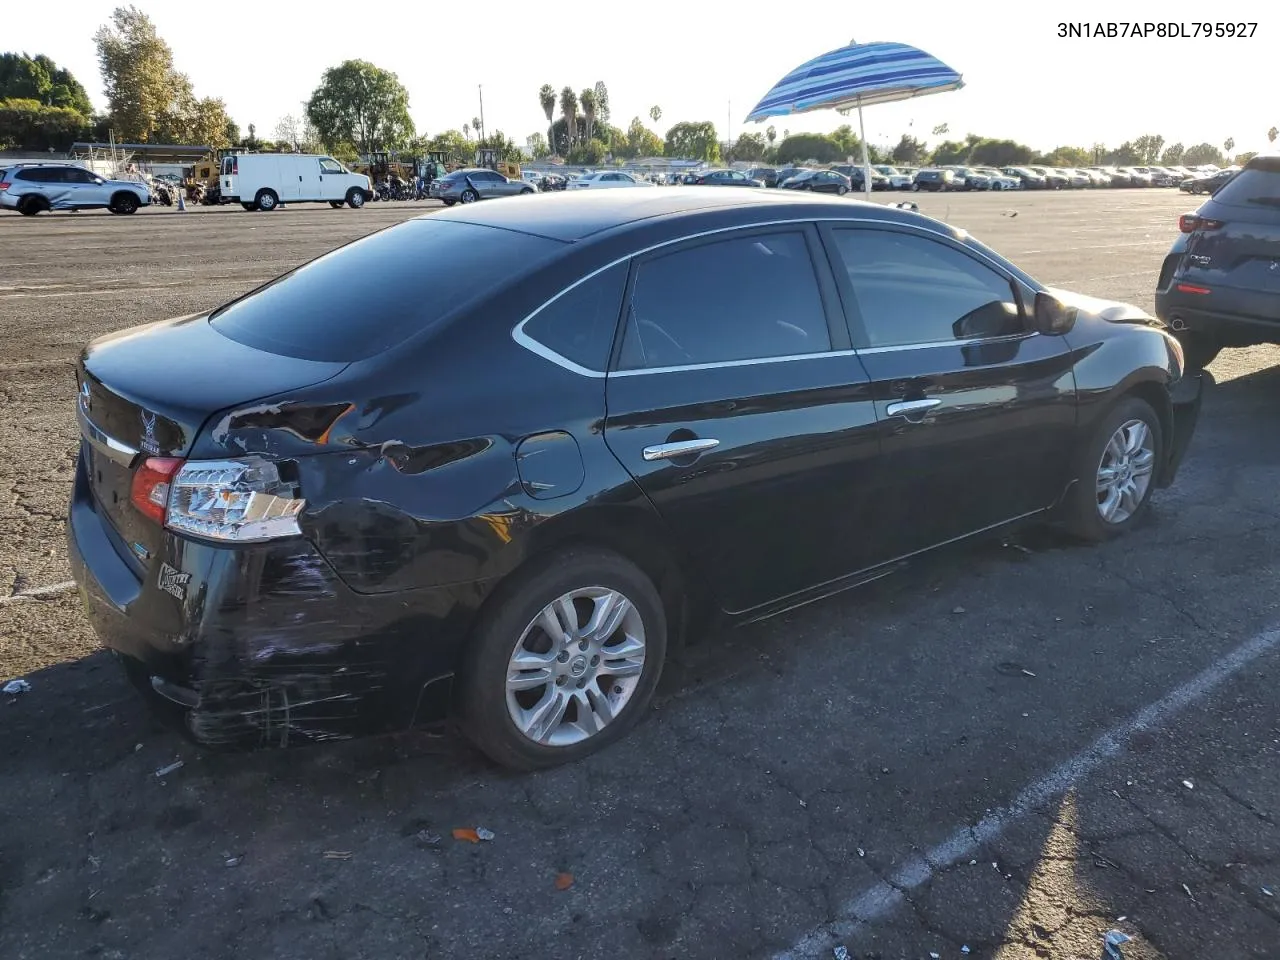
[(1022, 81)]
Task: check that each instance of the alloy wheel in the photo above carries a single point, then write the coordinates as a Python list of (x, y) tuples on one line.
[(1124, 473), (575, 666)]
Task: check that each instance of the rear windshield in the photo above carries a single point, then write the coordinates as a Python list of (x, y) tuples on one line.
[(370, 295), (1257, 184)]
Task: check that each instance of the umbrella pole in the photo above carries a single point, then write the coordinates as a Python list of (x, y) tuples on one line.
[(866, 161)]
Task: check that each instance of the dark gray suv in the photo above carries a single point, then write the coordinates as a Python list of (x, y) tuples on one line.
[(35, 188), (1219, 285)]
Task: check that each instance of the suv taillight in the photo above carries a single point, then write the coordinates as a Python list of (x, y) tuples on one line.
[(1189, 223), (4, 185)]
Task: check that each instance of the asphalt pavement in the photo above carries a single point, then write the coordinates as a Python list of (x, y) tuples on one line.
[(1004, 752)]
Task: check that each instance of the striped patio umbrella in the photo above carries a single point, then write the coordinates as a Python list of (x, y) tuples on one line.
[(858, 75)]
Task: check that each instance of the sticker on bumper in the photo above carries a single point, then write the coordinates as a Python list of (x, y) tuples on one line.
[(173, 582)]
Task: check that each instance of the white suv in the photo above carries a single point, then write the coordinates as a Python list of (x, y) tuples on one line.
[(34, 188)]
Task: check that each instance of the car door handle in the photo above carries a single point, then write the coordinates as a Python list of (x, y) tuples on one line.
[(910, 408), (679, 448)]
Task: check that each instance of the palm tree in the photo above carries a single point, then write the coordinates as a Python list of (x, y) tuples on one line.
[(1228, 147), (771, 134), (588, 100), (569, 108), (466, 130), (547, 97), (475, 125), (1272, 133), (655, 114)]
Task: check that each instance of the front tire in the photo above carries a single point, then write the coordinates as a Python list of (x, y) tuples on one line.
[(124, 203), (564, 662), (1116, 472), (355, 199)]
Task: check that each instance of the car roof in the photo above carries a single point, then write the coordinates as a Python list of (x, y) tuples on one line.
[(577, 216)]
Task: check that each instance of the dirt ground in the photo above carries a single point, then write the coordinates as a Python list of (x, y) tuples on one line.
[(1011, 749)]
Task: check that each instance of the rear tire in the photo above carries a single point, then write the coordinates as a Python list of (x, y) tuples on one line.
[(1086, 502), (1199, 349), (266, 200), (470, 196), (32, 205), (488, 706)]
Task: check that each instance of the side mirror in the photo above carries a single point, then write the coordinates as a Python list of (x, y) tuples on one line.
[(1053, 317)]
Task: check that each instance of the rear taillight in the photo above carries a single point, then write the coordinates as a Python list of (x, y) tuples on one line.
[(1190, 222), (243, 501), (235, 166), (150, 489), (1192, 288), (4, 185)]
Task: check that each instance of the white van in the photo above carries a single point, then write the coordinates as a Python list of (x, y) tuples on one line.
[(263, 181)]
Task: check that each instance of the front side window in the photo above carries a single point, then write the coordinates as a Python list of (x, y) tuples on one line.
[(580, 324), (745, 298), (914, 290), (330, 166)]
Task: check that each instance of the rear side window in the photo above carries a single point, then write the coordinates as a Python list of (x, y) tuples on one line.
[(747, 298), (34, 174), (1258, 184), (580, 324), (370, 295)]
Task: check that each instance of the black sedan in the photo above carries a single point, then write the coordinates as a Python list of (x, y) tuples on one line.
[(820, 181), (725, 178), (395, 485)]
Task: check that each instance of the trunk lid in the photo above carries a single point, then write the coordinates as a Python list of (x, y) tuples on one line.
[(1242, 248), (148, 390)]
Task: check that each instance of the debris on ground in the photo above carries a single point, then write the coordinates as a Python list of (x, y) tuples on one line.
[(934, 956), (958, 610), (338, 854), (473, 834), (1111, 944), (841, 953), (176, 765), (564, 881), (1190, 894), (965, 949), (428, 839), (233, 861), (1267, 892), (484, 834), (1188, 784), (861, 852), (15, 687)]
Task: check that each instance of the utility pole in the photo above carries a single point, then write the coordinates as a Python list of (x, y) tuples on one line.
[(728, 132), (481, 88)]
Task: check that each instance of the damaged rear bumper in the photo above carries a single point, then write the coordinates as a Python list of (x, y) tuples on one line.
[(264, 645), (1186, 397)]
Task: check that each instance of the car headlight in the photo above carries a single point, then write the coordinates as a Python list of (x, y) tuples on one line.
[(244, 501)]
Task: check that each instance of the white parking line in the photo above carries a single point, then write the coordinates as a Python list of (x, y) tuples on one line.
[(39, 592), (879, 900)]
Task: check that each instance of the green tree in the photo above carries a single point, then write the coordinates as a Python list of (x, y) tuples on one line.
[(1000, 153), (694, 141), (847, 141), (941, 130), (1243, 158), (640, 141), (750, 146), (547, 100), (1068, 157), (601, 93), (809, 147), (1148, 148), (910, 151), (771, 134), (1271, 134), (148, 99), (1125, 155), (27, 124), (588, 153), (453, 144), (360, 103), (1203, 153), (501, 144), (588, 101), (951, 152), (1229, 145), (537, 144), (1173, 154), (569, 112), (655, 114), (38, 78)]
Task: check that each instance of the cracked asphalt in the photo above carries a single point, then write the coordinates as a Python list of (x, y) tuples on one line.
[(868, 772)]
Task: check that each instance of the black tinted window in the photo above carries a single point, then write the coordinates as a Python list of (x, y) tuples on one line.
[(1256, 184), (912, 289), (580, 324), (34, 174), (372, 294), (742, 299)]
